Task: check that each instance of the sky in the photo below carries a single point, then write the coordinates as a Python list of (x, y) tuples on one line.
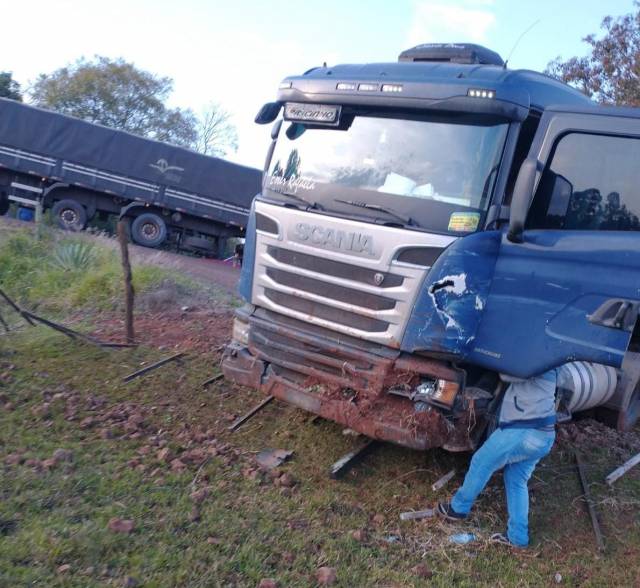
[(235, 52)]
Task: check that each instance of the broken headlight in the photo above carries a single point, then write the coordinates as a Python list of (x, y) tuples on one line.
[(432, 391), (240, 333)]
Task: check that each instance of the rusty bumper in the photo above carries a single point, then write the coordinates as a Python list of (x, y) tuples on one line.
[(346, 381)]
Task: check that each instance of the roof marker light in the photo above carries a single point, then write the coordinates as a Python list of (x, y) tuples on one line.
[(392, 88), (368, 87), (345, 86), (284, 85), (481, 93)]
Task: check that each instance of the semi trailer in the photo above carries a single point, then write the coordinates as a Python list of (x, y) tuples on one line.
[(429, 225), (79, 170)]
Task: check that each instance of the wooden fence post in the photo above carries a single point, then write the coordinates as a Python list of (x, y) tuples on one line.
[(128, 284)]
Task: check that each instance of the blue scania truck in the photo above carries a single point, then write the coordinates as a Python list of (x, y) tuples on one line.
[(429, 224)]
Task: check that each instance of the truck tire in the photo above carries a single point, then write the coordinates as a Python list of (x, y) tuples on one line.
[(149, 230), (69, 215)]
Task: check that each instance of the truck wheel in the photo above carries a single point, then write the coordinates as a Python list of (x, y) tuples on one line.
[(629, 417), (149, 230), (70, 215)]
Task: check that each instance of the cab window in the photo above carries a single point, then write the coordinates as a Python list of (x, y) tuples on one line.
[(592, 183)]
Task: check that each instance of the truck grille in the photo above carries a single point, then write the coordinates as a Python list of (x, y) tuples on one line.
[(368, 297)]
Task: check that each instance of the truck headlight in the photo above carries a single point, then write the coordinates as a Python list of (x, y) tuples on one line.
[(240, 332), (439, 392)]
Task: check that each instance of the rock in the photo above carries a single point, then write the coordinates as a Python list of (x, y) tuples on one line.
[(64, 568), (422, 571), (326, 576), (107, 433), (178, 466), (288, 558), (214, 541), (378, 519), (87, 422), (194, 516), (14, 459), (144, 450), (287, 481), (268, 583), (557, 578), (133, 463), (61, 455), (199, 496), (33, 463), (49, 463), (194, 456), (117, 525), (359, 535), (164, 455)]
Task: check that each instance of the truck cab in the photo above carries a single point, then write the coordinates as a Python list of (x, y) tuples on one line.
[(427, 225)]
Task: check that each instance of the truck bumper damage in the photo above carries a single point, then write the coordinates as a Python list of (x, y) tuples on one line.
[(380, 392)]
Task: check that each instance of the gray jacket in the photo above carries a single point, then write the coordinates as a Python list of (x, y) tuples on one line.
[(529, 403)]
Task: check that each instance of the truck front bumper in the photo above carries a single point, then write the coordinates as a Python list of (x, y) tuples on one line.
[(346, 380)]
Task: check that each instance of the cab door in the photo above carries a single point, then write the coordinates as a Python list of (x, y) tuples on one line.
[(570, 289)]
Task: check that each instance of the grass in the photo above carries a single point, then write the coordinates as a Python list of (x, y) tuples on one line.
[(247, 528), (45, 272), (50, 519)]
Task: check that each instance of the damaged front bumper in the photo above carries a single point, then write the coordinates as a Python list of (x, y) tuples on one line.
[(364, 386)]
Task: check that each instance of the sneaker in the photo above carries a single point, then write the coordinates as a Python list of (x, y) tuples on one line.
[(446, 511), (502, 539)]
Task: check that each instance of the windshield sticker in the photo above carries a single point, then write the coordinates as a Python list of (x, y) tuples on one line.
[(291, 185), (464, 222)]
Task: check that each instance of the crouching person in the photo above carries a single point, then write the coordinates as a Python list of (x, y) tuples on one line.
[(525, 434)]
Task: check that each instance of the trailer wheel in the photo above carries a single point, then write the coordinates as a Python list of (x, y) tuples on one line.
[(149, 230), (70, 215)]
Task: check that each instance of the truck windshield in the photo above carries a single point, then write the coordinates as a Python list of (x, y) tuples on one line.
[(439, 174)]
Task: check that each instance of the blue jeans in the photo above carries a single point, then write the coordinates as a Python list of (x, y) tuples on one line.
[(518, 451)]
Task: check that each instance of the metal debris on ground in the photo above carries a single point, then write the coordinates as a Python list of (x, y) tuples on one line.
[(153, 366), (244, 418), (417, 514), (211, 380), (272, 458), (623, 469), (346, 462), (590, 506), (442, 482)]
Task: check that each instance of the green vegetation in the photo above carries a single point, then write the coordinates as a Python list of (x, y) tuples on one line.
[(248, 529), (63, 273), (142, 452)]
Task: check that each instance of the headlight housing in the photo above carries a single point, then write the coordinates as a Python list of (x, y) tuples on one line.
[(240, 332)]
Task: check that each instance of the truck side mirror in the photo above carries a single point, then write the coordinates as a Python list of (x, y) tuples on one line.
[(275, 130), (268, 113), (522, 195)]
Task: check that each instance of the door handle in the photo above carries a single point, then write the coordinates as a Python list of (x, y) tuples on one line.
[(616, 313)]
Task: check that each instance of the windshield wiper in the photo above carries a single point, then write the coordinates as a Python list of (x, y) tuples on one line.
[(309, 203), (407, 220)]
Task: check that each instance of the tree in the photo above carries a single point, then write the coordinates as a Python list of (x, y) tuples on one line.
[(216, 133), (116, 94), (9, 88), (611, 73)]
